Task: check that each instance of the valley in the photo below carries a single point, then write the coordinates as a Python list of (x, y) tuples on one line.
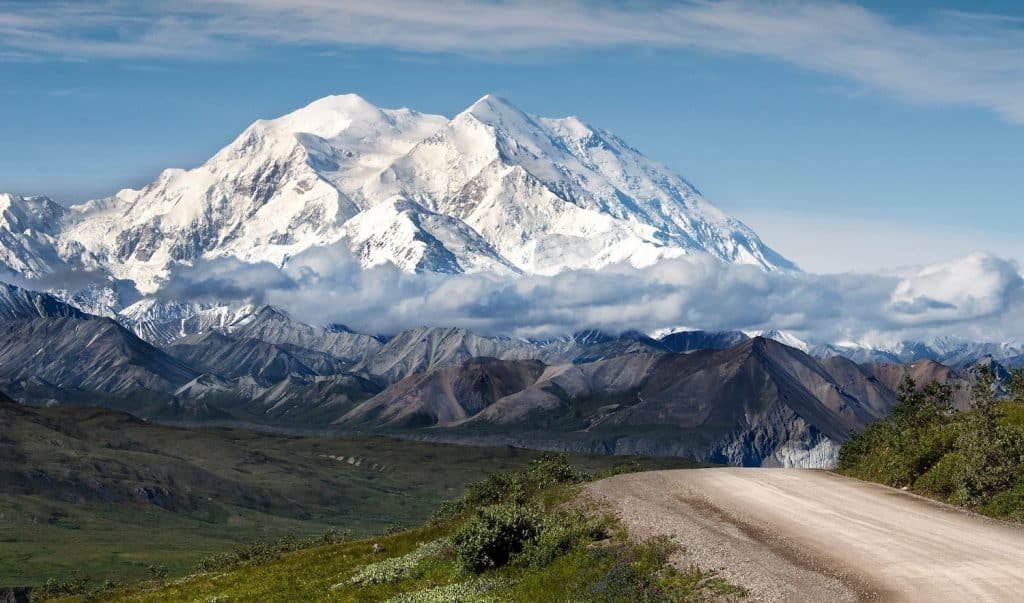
[(105, 494)]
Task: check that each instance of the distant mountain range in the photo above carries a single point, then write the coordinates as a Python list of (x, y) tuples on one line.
[(717, 396)]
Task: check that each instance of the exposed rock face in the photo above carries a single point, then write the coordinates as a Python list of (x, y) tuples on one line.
[(274, 326), (691, 341), (232, 358), (448, 395), (426, 348)]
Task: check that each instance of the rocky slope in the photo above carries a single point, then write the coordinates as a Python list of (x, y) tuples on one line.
[(757, 403), (17, 303), (94, 355)]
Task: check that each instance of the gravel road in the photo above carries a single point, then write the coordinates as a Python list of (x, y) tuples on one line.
[(803, 535)]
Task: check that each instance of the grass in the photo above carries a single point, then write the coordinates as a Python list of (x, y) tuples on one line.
[(75, 483), (575, 554)]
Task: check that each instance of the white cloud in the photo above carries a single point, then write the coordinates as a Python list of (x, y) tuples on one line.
[(947, 57), (964, 289), (974, 296)]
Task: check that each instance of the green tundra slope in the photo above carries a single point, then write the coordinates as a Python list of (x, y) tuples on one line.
[(107, 495)]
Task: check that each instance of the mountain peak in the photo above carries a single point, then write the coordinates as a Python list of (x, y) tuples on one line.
[(327, 117), (495, 111), (492, 101), (351, 104)]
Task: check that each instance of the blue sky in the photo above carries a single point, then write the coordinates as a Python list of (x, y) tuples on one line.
[(849, 136)]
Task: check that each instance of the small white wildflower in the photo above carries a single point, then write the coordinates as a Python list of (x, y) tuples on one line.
[(473, 591), (394, 569)]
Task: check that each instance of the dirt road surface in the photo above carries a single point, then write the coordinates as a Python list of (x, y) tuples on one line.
[(803, 535)]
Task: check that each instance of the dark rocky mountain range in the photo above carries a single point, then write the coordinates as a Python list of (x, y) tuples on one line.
[(721, 397), (17, 303), (90, 355), (756, 403)]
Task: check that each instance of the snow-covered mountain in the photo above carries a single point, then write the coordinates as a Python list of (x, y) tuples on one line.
[(493, 189), (951, 351), (162, 321), (783, 337), (29, 230)]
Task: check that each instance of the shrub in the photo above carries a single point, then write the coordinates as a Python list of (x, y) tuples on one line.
[(642, 573), (515, 487), (861, 445), (990, 461), (553, 470), (940, 479), (561, 533), (1016, 385), (261, 551), (1008, 503), (76, 584), (495, 535), (918, 407), (899, 451)]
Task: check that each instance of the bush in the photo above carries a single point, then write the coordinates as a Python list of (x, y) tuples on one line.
[(76, 584), (899, 451), (562, 533), (515, 487), (940, 479), (642, 573), (1016, 385), (553, 470), (990, 461), (261, 551), (475, 590), (1009, 503), (859, 453), (495, 535)]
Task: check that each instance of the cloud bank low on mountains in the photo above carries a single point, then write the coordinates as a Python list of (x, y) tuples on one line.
[(975, 296)]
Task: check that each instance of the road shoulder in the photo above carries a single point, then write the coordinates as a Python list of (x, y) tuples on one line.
[(771, 569)]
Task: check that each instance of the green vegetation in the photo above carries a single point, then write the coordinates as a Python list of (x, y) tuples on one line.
[(973, 458), (98, 493), (519, 536)]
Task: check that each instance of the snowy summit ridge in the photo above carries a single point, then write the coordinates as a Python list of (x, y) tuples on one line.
[(493, 189)]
